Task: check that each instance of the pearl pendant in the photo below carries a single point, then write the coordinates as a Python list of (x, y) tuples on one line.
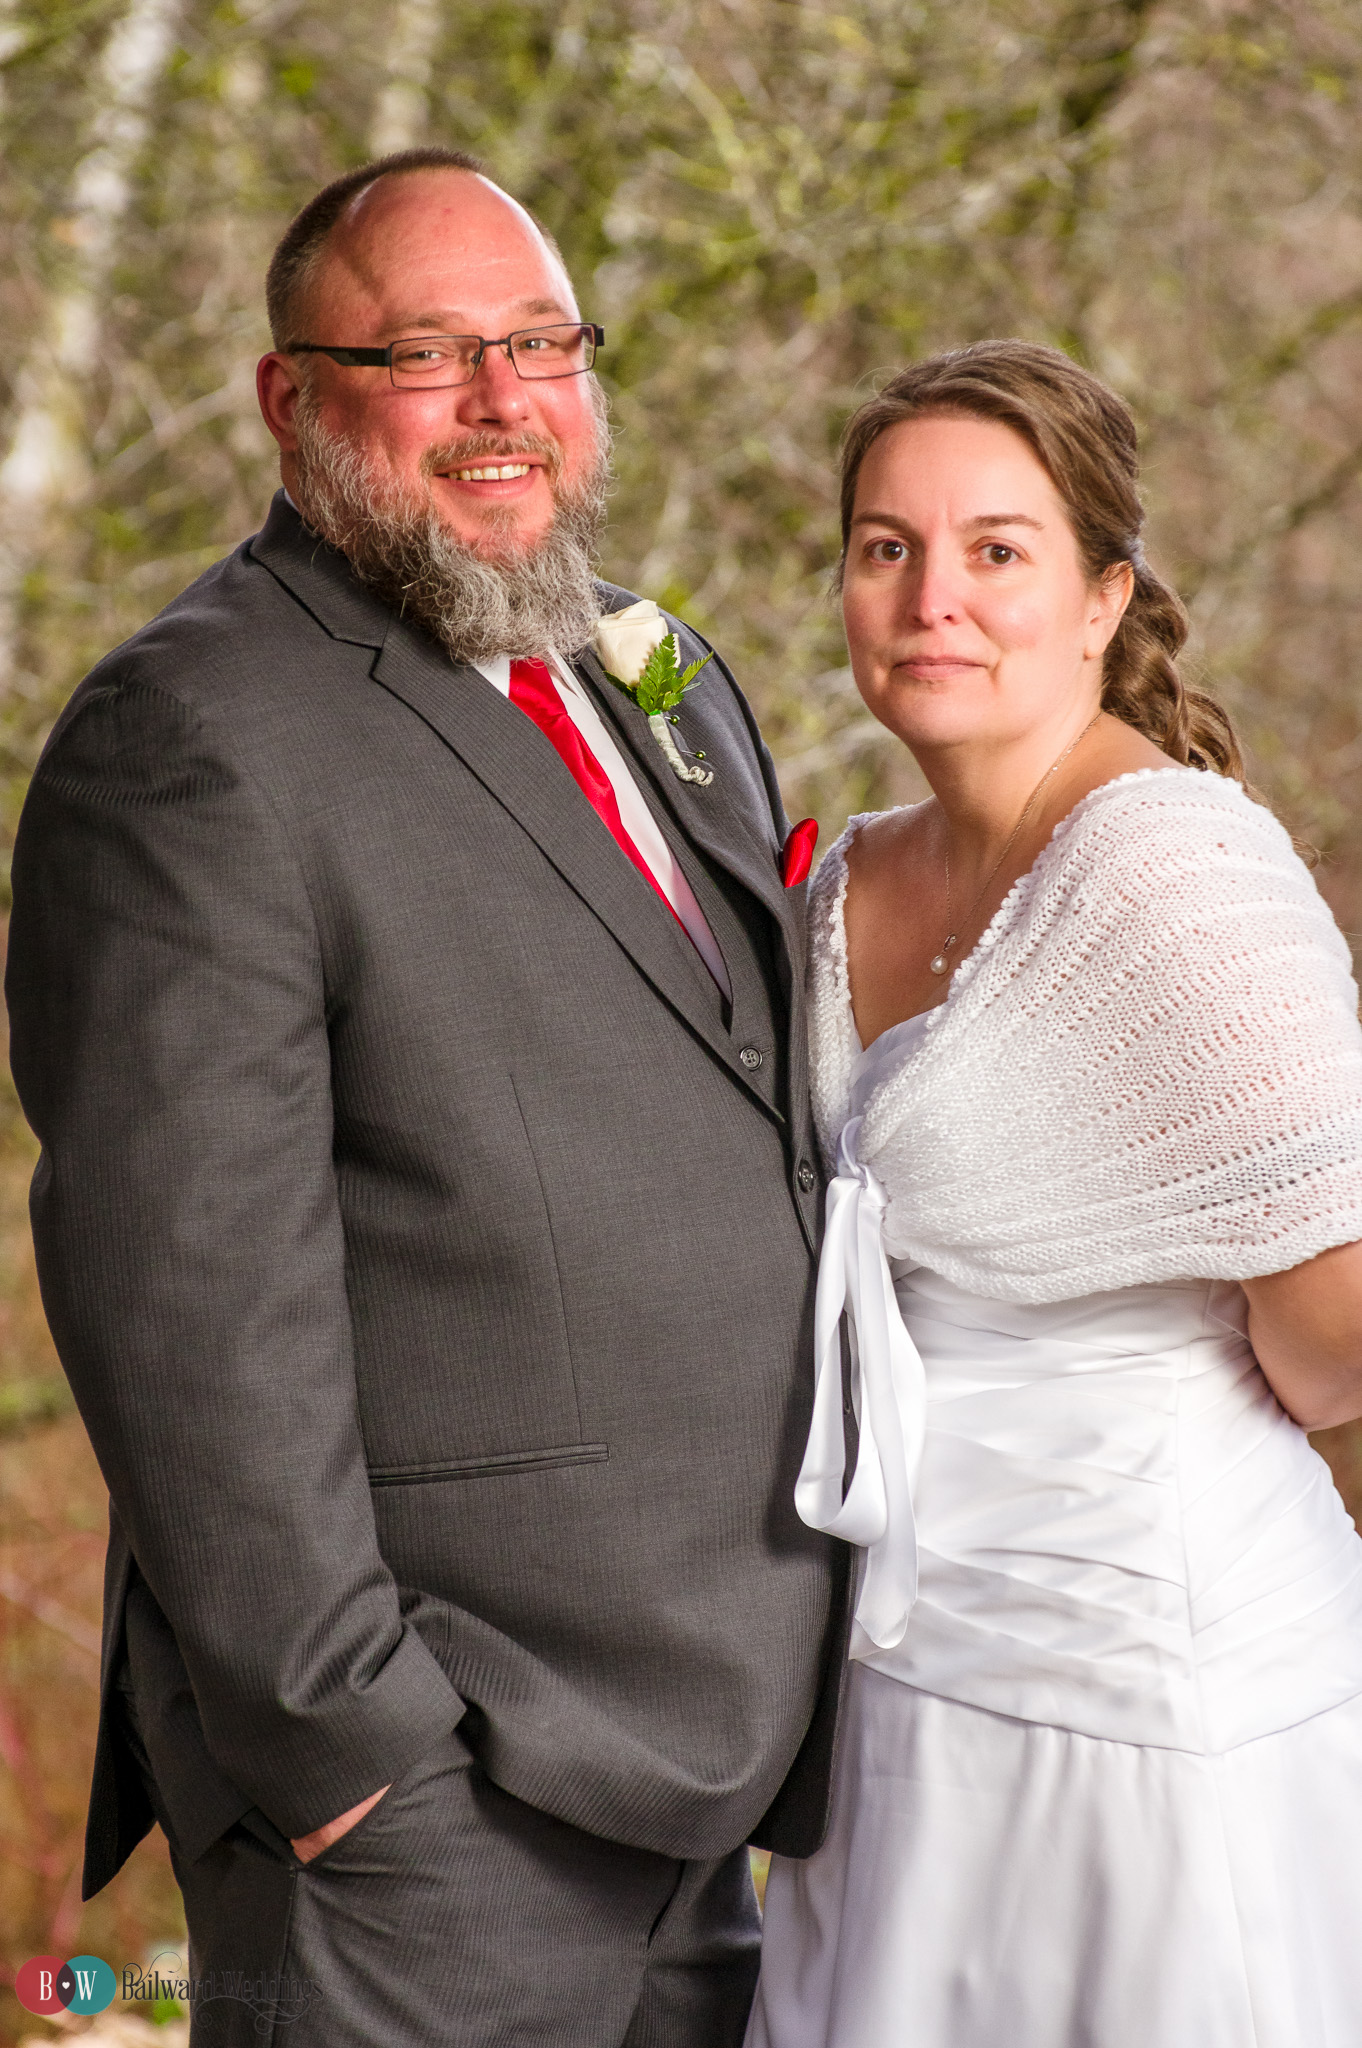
[(939, 964)]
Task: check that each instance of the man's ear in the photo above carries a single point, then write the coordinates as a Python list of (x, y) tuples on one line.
[(278, 387)]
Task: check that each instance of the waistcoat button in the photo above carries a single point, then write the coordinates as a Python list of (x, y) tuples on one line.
[(750, 1058), (806, 1177)]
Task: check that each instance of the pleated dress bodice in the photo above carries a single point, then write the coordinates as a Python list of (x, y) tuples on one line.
[(1119, 1529)]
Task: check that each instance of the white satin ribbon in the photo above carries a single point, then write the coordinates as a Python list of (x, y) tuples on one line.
[(889, 1395)]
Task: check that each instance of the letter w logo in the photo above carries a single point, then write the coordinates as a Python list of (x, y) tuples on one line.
[(85, 1985)]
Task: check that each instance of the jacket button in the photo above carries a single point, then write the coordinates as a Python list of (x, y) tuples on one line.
[(806, 1177), (750, 1058)]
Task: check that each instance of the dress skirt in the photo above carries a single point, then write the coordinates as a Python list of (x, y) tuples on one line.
[(997, 1883)]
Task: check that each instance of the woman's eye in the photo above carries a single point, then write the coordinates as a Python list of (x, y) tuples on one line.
[(887, 551), (998, 554)]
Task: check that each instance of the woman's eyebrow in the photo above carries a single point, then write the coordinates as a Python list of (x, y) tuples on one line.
[(1004, 519), (977, 519)]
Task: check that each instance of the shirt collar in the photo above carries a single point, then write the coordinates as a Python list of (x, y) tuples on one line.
[(497, 669)]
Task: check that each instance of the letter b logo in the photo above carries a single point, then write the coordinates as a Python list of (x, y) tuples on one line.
[(35, 1986), (47, 1985)]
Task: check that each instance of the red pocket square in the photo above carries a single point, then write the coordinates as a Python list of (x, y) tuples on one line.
[(799, 852)]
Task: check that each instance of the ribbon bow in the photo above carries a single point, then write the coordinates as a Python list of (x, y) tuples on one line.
[(889, 1395)]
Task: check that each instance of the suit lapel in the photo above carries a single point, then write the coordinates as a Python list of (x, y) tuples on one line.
[(725, 822), (729, 818), (521, 769)]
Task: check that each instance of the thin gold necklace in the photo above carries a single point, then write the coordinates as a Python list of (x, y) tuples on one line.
[(940, 962)]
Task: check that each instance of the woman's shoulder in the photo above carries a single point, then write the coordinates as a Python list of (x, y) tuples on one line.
[(1176, 823), (1160, 877), (1165, 802), (1172, 866), (866, 831)]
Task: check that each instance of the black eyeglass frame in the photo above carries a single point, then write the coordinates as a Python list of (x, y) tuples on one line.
[(382, 358)]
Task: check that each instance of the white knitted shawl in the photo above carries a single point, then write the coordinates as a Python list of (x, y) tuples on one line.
[(1150, 1067)]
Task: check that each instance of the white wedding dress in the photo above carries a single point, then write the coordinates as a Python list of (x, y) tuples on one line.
[(1099, 1781)]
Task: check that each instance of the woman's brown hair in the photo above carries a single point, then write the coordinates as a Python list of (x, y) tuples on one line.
[(1084, 437)]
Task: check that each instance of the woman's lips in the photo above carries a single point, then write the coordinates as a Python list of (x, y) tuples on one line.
[(930, 666)]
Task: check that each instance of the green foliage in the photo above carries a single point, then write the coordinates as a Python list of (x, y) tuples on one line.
[(769, 204), (663, 682), (298, 78), (28, 1404)]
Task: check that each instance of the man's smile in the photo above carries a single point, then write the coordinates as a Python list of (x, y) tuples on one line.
[(488, 476)]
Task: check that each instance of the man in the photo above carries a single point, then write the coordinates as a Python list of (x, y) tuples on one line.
[(427, 1205)]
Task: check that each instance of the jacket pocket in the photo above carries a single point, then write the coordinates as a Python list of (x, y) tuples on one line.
[(503, 1464)]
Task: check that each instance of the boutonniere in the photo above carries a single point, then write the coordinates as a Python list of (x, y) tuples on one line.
[(642, 657)]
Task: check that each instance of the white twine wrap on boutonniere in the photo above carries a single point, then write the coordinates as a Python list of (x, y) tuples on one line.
[(642, 656)]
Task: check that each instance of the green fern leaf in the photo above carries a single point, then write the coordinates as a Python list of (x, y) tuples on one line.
[(663, 682), (659, 686), (688, 675)]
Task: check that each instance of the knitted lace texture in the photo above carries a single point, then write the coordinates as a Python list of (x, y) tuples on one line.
[(1149, 1068)]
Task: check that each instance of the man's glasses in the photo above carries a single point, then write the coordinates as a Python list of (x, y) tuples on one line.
[(434, 362)]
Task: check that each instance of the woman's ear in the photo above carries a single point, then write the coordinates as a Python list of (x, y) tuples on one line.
[(1111, 595)]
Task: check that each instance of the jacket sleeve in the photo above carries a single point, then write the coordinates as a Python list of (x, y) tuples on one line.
[(169, 1040)]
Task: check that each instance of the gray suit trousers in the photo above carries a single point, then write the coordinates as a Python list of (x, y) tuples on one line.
[(455, 1913)]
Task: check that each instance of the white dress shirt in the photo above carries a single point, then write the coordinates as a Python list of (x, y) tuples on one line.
[(637, 819)]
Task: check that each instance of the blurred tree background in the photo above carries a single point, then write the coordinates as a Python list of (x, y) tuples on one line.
[(767, 204)]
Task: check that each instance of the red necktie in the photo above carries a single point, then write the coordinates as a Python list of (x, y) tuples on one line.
[(534, 691)]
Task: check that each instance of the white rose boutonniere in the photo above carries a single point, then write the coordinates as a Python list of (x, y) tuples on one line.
[(624, 640), (642, 657)]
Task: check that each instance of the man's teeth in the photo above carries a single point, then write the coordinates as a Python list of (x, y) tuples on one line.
[(492, 476)]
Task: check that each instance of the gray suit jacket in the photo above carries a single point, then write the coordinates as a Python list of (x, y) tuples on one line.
[(432, 1272)]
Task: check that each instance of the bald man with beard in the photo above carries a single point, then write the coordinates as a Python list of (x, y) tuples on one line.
[(427, 1205)]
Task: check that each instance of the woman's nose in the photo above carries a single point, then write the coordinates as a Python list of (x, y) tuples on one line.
[(935, 593)]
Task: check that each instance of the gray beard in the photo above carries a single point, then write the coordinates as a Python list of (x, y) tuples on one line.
[(503, 601)]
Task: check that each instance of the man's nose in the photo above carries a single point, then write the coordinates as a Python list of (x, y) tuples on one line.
[(496, 396)]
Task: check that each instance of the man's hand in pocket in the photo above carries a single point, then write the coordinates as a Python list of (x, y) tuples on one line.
[(305, 1847)]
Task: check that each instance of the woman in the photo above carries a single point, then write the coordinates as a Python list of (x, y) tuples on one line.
[(1087, 1060)]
